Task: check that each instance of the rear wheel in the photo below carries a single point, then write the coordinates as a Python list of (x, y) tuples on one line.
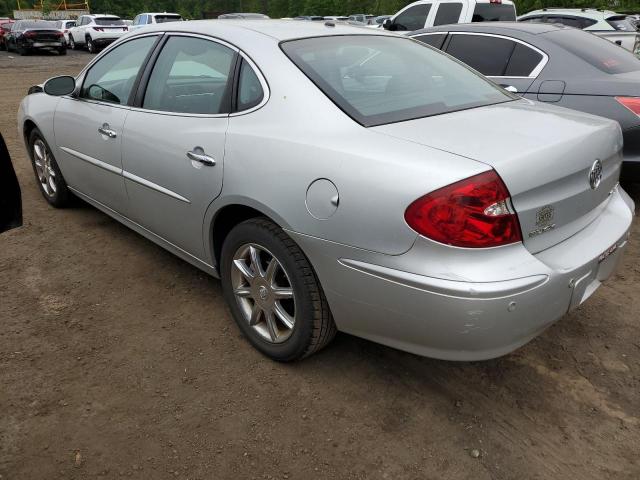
[(62, 51), (273, 292), (22, 50), (48, 175), (72, 43), (91, 46), (3, 46)]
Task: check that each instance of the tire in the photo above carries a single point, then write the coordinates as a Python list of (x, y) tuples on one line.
[(62, 51), (91, 47), (22, 51), (312, 328), (3, 46), (72, 43), (50, 181)]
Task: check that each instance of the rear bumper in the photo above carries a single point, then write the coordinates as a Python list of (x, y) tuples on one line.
[(465, 304)]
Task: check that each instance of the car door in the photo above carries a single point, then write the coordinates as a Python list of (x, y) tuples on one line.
[(174, 143), (88, 125), (508, 62)]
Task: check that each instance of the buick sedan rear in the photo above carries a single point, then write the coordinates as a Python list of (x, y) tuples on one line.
[(340, 179)]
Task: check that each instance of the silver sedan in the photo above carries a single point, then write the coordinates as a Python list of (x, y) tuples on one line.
[(337, 178)]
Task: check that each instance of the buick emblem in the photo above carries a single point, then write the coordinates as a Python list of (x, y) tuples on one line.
[(595, 175), (544, 216)]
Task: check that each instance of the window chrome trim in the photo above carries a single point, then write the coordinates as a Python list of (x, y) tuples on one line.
[(266, 91), (533, 74)]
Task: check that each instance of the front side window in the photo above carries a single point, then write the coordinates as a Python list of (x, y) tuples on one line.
[(112, 78), (488, 55), (383, 79), (447, 13), (191, 75), (494, 12), (413, 18), (250, 92)]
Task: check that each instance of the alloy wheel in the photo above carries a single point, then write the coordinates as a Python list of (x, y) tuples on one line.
[(44, 169), (264, 292)]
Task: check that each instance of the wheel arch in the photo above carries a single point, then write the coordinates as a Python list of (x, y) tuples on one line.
[(27, 127)]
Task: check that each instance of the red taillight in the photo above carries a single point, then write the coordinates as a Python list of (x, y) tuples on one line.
[(59, 34), (632, 103), (30, 34), (474, 213), (495, 1)]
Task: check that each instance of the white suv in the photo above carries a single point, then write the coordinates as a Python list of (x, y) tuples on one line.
[(431, 13), (150, 18), (96, 31)]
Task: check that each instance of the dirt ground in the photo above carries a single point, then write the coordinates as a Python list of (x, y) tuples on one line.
[(119, 360)]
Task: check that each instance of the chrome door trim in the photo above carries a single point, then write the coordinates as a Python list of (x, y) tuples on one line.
[(154, 186), (93, 161), (534, 73)]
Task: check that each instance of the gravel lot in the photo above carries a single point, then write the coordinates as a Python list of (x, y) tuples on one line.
[(117, 359)]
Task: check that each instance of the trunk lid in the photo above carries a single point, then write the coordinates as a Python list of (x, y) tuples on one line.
[(44, 35), (543, 153)]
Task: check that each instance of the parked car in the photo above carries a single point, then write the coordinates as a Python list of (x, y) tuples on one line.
[(369, 216), (244, 16), (145, 19), (5, 28), (430, 13), (65, 26), (555, 64), (336, 18), (10, 198), (604, 23), (361, 18), (27, 36), (378, 22), (95, 32), (313, 18)]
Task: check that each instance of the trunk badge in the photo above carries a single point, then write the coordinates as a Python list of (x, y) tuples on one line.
[(544, 217), (595, 175)]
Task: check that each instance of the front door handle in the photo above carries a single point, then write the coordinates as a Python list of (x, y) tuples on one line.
[(198, 155), (105, 129)]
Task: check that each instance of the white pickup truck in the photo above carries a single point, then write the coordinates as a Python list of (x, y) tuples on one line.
[(431, 13), (96, 31), (613, 26)]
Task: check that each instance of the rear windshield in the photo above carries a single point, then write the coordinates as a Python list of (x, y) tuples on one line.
[(168, 18), (378, 79), (40, 24), (494, 12), (109, 21), (602, 54), (621, 23)]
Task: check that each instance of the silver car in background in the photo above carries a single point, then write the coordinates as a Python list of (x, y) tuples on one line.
[(337, 178)]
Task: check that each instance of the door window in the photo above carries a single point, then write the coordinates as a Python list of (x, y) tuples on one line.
[(191, 75), (488, 55), (112, 78), (250, 92), (412, 18), (448, 13), (136, 20), (435, 39)]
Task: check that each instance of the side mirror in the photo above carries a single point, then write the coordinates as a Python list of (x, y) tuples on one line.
[(59, 86), (387, 24)]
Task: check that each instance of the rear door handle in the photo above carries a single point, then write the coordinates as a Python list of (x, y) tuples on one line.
[(198, 155), (106, 130)]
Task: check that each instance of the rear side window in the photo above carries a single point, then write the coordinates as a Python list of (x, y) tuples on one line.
[(598, 52), (621, 23), (435, 39), (383, 79), (448, 13), (250, 92), (488, 55), (494, 12), (191, 75), (523, 61), (413, 18)]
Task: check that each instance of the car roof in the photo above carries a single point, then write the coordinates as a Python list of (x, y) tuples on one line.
[(101, 15), (160, 13), (495, 27), (278, 30), (577, 12)]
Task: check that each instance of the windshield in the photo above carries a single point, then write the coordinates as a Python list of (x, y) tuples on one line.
[(379, 79), (109, 21), (494, 12), (168, 18), (598, 52)]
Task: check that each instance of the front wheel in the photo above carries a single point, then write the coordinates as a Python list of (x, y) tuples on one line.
[(72, 43), (91, 46), (48, 175), (274, 295)]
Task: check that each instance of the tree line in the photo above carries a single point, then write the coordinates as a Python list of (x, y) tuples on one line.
[(197, 9)]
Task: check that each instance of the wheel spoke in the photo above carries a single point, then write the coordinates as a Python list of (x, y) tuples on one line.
[(283, 316), (255, 315), (255, 261), (271, 326), (37, 150), (244, 270), (271, 270), (281, 293), (242, 292)]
